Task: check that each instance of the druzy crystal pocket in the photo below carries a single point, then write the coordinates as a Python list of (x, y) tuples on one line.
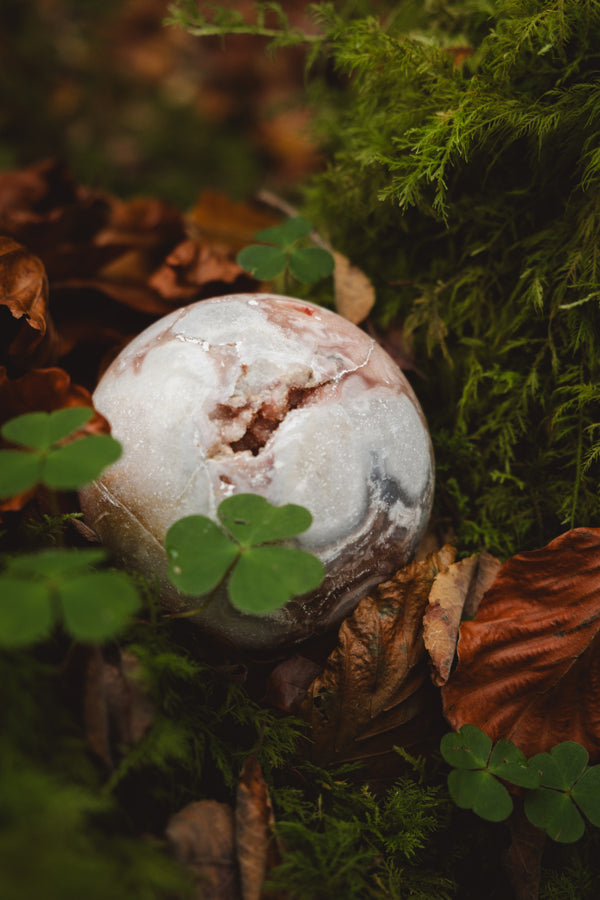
[(256, 393)]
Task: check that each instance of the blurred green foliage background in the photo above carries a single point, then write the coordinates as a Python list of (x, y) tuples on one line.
[(135, 106)]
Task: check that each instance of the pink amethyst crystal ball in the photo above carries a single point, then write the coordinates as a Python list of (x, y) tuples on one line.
[(274, 396)]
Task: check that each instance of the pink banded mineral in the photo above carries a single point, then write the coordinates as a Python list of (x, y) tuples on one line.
[(275, 396)]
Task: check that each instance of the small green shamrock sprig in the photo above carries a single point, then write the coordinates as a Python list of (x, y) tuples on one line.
[(559, 785), (282, 255), (58, 587), (45, 460), (261, 573)]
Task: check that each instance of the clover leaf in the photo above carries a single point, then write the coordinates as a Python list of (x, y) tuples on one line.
[(45, 460), (279, 253), (44, 589), (253, 520), (480, 791), (586, 794), (560, 787), (262, 574), (568, 788), (200, 554), (26, 615), (39, 430), (265, 578), (509, 763), (467, 748), (474, 782)]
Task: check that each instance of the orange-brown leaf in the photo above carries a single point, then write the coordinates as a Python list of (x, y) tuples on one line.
[(529, 664), (192, 266), (354, 292), (202, 838), (23, 284), (117, 710), (222, 221), (253, 829), (456, 591), (45, 390), (375, 690)]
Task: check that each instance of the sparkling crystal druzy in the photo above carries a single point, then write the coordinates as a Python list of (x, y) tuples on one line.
[(274, 396)]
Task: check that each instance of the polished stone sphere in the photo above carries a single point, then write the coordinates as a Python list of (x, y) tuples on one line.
[(258, 393)]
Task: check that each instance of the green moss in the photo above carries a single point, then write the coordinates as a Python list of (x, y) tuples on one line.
[(571, 872), (462, 138), (58, 840), (205, 727), (469, 193), (341, 840), (61, 836)]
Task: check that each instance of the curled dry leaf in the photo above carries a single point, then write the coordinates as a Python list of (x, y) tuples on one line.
[(124, 254), (354, 292), (23, 284), (146, 225), (457, 591), (24, 294), (42, 206), (112, 267), (202, 838), (228, 852), (190, 271), (529, 664), (117, 711), (254, 822), (375, 691)]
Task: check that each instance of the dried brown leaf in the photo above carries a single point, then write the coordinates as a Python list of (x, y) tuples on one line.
[(219, 220), (192, 266), (529, 664), (253, 829), (117, 711), (488, 567), (23, 284), (375, 689), (202, 838), (461, 585), (144, 223), (228, 852), (29, 337), (45, 390), (354, 291), (42, 207)]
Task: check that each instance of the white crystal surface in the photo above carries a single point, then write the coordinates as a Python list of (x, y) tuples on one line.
[(273, 396)]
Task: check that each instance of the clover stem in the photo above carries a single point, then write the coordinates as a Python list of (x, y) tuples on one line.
[(288, 279)]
